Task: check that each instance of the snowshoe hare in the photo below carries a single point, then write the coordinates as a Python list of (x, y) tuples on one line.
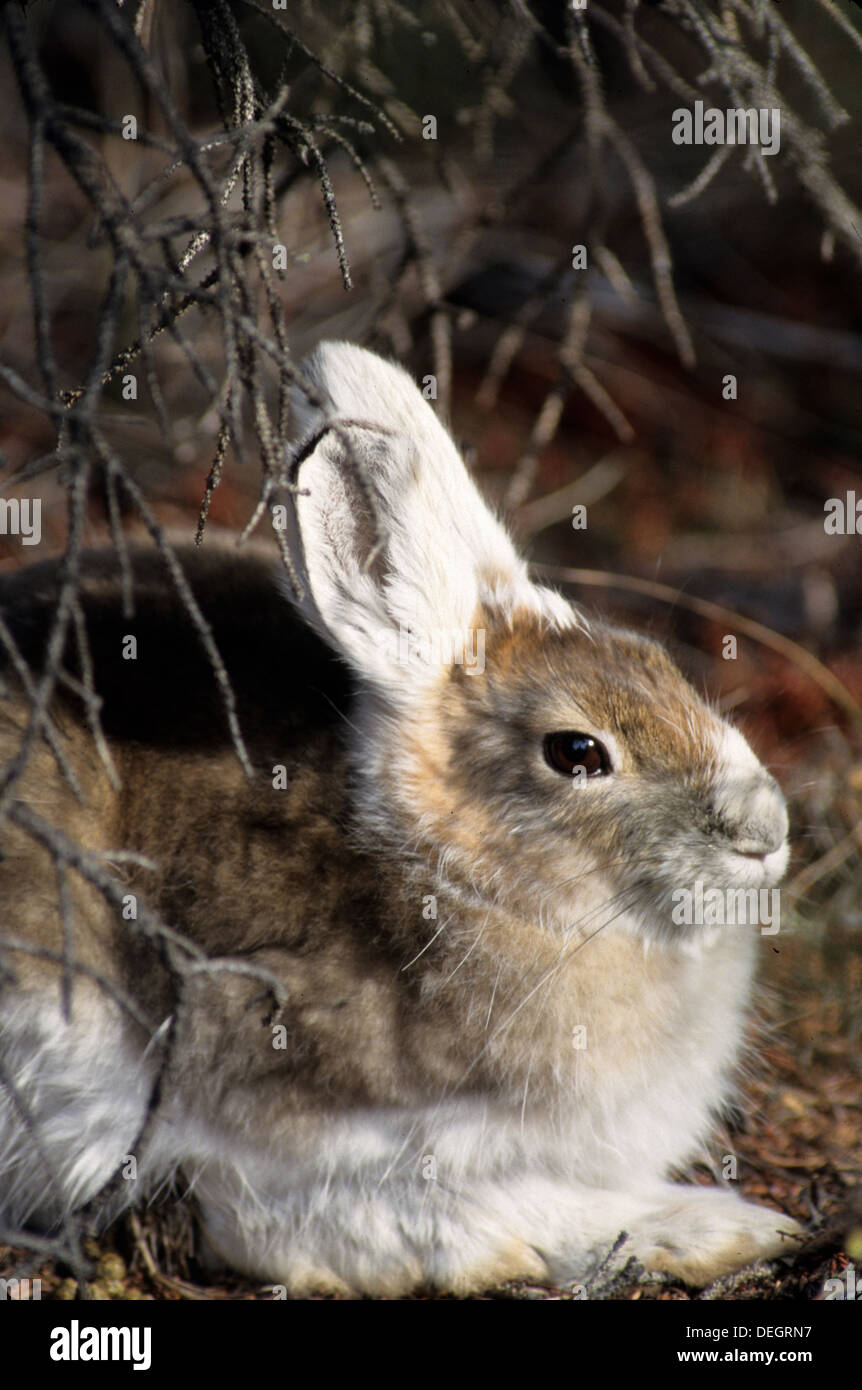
[(471, 806)]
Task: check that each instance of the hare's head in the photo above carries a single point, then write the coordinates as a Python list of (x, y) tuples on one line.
[(552, 762)]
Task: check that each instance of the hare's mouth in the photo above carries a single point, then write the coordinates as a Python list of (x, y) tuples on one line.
[(739, 891), (760, 866)]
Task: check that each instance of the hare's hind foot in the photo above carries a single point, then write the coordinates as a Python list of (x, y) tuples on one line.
[(703, 1234), (389, 1237)]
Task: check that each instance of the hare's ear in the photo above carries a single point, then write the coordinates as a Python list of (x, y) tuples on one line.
[(393, 592)]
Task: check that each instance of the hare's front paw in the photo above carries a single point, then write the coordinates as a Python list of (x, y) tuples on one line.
[(704, 1234)]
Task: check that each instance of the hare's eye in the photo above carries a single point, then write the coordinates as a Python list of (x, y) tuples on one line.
[(566, 752)]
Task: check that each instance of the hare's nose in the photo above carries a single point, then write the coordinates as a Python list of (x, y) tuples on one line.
[(758, 848), (754, 816)]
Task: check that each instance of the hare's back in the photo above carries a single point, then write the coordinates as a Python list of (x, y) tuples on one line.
[(180, 797), (152, 671)]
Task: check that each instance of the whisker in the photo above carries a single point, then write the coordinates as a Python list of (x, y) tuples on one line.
[(429, 943), (567, 950)]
